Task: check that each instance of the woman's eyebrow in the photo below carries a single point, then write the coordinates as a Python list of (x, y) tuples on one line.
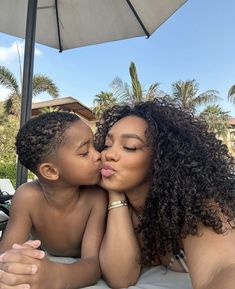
[(127, 136), (132, 135)]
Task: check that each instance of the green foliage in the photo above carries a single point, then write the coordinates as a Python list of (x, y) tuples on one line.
[(216, 119), (231, 94), (102, 101), (8, 131), (186, 94), (41, 83), (135, 92), (8, 171), (50, 109)]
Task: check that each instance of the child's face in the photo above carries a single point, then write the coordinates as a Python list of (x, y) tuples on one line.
[(77, 160), (127, 156)]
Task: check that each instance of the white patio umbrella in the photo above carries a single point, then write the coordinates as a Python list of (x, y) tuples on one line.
[(66, 24)]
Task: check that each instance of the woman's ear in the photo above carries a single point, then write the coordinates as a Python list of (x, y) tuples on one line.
[(49, 171)]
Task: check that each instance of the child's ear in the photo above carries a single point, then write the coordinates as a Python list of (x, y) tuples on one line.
[(49, 171)]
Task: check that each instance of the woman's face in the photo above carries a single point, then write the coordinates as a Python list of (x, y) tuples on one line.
[(126, 157)]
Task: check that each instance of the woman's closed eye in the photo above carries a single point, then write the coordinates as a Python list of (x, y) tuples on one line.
[(130, 148)]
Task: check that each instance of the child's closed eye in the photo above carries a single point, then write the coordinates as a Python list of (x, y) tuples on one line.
[(84, 154)]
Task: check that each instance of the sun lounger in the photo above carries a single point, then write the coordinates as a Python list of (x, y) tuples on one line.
[(151, 278)]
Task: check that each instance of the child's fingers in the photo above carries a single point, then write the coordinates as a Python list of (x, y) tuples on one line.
[(19, 268), (24, 255), (22, 286), (30, 243), (8, 280)]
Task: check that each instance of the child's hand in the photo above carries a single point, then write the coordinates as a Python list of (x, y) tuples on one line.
[(30, 243), (21, 259)]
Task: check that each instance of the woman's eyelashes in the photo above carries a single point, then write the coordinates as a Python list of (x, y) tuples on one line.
[(125, 147), (130, 148)]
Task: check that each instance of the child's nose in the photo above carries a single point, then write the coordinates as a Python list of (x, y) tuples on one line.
[(97, 155)]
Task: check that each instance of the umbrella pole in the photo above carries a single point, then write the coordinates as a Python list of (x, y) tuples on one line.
[(26, 98)]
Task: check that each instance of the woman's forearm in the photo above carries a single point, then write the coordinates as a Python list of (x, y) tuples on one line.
[(120, 252), (83, 273)]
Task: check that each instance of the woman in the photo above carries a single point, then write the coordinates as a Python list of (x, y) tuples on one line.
[(170, 193), (171, 199)]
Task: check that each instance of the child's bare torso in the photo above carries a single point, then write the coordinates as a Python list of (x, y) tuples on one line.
[(61, 229)]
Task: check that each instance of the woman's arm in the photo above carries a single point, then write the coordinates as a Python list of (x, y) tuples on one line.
[(120, 252), (211, 259)]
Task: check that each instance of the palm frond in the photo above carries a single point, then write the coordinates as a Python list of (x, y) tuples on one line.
[(42, 83), (152, 91), (231, 94), (8, 80), (136, 86), (206, 97), (121, 90)]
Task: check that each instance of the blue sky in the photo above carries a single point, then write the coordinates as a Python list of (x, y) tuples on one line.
[(197, 42)]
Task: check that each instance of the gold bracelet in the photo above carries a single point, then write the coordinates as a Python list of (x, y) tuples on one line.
[(117, 204)]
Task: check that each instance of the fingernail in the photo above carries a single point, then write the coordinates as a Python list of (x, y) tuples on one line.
[(16, 246), (34, 269), (26, 286), (41, 254), (1, 256)]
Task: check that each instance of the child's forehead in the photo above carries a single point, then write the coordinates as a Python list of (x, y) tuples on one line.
[(80, 128)]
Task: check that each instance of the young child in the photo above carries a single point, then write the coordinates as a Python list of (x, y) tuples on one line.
[(58, 208)]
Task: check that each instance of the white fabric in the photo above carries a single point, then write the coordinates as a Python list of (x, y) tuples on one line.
[(6, 186), (86, 22), (151, 278)]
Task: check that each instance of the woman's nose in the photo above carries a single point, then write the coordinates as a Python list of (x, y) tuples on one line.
[(110, 154)]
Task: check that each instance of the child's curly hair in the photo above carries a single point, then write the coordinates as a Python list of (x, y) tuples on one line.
[(192, 175), (41, 136)]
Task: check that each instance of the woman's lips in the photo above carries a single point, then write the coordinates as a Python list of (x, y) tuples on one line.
[(107, 171)]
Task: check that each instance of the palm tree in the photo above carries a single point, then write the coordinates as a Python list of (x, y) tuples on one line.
[(50, 109), (216, 119), (102, 101), (185, 94), (41, 83), (135, 93), (231, 94)]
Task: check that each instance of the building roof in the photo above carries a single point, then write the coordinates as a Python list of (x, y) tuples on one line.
[(231, 120), (66, 104)]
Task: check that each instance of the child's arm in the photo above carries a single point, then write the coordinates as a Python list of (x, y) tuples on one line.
[(19, 223), (53, 275)]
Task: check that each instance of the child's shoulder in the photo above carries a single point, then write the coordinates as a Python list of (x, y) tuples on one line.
[(28, 190), (95, 193)]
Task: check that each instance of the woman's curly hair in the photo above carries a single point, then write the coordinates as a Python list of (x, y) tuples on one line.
[(192, 175)]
